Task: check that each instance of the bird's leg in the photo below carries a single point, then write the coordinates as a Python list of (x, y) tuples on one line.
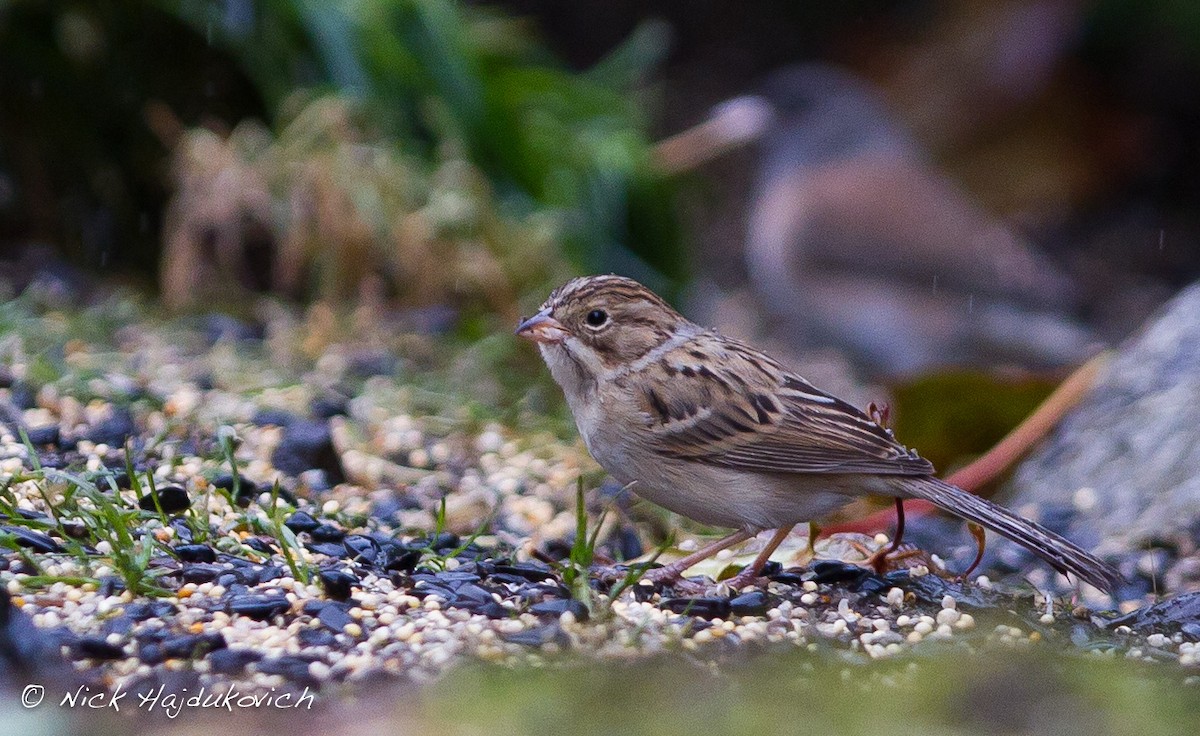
[(671, 572), (878, 561), (980, 542), (814, 531), (750, 574)]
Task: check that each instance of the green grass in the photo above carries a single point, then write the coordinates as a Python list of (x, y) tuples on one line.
[(583, 552), (575, 571), (289, 545), (948, 691), (103, 519)]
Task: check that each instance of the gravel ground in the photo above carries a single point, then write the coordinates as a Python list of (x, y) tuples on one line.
[(374, 526)]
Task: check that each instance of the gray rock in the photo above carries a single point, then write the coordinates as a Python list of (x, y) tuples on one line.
[(1122, 471)]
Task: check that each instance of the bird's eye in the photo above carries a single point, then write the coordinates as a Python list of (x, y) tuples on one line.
[(597, 317)]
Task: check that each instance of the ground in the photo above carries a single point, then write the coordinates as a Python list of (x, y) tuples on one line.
[(308, 508)]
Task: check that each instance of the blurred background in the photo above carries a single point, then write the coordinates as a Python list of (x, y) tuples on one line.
[(881, 191), (947, 205)]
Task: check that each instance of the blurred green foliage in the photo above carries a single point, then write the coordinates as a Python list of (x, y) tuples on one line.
[(796, 692), (952, 416), (78, 77)]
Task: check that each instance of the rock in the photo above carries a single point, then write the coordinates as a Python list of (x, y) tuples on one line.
[(360, 548), (1178, 614), (468, 594), (258, 544), (267, 573), (274, 418), (335, 617), (183, 532), (22, 395), (152, 653), (388, 508), (316, 638), (258, 607), (201, 573), (25, 651), (330, 549), (232, 661), (192, 646), (162, 680), (337, 583), (454, 579), (301, 522), (538, 636), (42, 436), (423, 589), (294, 669), (217, 327), (534, 572), (114, 430), (491, 609), (195, 553), (559, 607), (51, 459), (308, 445), (120, 479), (230, 581), (367, 362), (754, 603), (95, 647), (932, 589), (248, 491), (836, 572), (628, 544), (172, 500), (700, 607), (151, 609), (791, 576), (1122, 470), (327, 533), (120, 625), (34, 540), (445, 542), (326, 407), (397, 557)]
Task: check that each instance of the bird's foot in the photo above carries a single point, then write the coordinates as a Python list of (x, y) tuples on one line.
[(691, 588), (744, 579), (611, 574), (892, 558), (608, 574), (981, 543), (671, 577)]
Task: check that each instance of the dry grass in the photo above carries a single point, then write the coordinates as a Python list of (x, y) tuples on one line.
[(329, 210)]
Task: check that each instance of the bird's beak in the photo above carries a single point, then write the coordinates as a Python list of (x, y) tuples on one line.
[(542, 328)]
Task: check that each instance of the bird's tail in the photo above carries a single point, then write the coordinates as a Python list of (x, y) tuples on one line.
[(1060, 553)]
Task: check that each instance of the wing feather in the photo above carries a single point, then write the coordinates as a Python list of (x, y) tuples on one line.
[(723, 403)]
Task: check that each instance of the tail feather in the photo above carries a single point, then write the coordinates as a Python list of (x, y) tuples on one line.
[(1060, 553)]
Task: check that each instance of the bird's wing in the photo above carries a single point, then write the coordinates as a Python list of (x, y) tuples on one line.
[(720, 402)]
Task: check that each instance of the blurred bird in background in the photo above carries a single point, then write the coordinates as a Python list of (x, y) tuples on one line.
[(856, 240)]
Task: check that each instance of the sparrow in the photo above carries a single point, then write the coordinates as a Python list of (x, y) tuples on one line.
[(719, 432)]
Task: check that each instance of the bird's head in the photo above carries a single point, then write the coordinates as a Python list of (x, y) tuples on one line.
[(593, 325)]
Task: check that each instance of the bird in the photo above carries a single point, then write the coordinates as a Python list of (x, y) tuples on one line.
[(846, 200), (719, 432)]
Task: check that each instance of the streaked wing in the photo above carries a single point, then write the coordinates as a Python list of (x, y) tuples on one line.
[(720, 402)]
